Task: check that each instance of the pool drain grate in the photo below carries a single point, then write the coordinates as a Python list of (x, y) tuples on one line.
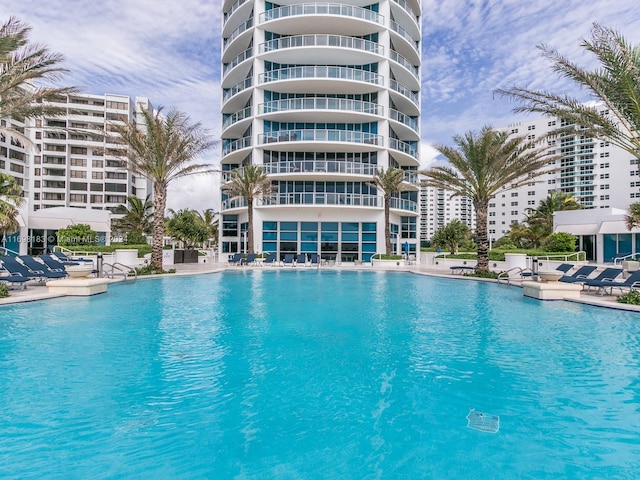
[(483, 421)]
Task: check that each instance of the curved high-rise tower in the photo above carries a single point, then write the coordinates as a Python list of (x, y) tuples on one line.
[(321, 95)]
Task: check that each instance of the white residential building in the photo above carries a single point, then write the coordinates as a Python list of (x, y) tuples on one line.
[(438, 208), (321, 95), (62, 163), (598, 174)]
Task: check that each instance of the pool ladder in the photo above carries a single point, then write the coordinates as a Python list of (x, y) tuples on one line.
[(524, 272), (118, 268)]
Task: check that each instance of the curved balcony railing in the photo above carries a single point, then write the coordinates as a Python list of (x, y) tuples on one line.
[(323, 198), (317, 135), (407, 8), (236, 117), (243, 27), (321, 9), (322, 71), (411, 177), (237, 88), (405, 147), (400, 30), (398, 87), (403, 204), (237, 4), (320, 166), (321, 103), (396, 57), (235, 202), (238, 60), (322, 40), (236, 145), (410, 122)]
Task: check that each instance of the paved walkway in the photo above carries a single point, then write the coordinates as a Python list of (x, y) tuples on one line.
[(36, 291)]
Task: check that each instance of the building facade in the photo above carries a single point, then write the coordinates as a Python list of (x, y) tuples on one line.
[(438, 208), (321, 95)]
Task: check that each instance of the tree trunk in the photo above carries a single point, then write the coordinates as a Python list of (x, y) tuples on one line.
[(481, 236), (159, 204), (250, 225), (387, 224)]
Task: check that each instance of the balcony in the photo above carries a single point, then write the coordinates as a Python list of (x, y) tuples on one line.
[(403, 147), (248, 53), (236, 145), (407, 8), (330, 73), (317, 135), (321, 103), (321, 166), (236, 117), (403, 204), (235, 6), (322, 198), (406, 92), (396, 57), (239, 87), (406, 120), (371, 50), (243, 27), (400, 30)]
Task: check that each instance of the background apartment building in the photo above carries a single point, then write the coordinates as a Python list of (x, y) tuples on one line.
[(321, 95), (437, 209)]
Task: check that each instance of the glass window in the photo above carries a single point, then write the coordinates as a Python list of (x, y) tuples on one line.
[(289, 226)]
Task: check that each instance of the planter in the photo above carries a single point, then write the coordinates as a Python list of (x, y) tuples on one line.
[(550, 275), (79, 271), (126, 256)]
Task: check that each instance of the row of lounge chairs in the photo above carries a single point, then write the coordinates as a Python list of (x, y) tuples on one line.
[(289, 259), (604, 281), (23, 268)]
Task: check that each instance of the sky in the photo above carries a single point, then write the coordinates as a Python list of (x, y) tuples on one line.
[(169, 52)]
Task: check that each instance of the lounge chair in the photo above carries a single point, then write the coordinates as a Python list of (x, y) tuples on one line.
[(17, 269), (581, 274), (40, 267), (288, 259), (270, 259), (64, 259), (564, 267), (608, 274), (301, 259), (53, 263), (235, 259), (632, 281), (14, 279), (251, 258), (315, 259)]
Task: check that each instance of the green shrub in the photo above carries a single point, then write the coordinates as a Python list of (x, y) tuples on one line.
[(482, 274), (388, 257), (135, 238), (143, 249), (4, 290), (150, 270), (632, 297), (79, 234), (560, 242)]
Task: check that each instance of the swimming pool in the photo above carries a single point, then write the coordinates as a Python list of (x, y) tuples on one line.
[(307, 374)]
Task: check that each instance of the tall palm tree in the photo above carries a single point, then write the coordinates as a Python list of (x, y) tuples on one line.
[(633, 219), (543, 215), (163, 151), (483, 164), (23, 65), (10, 199), (616, 84), (136, 216), (209, 217), (249, 183), (390, 182)]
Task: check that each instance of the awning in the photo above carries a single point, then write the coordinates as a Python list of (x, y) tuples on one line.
[(618, 226), (578, 229)]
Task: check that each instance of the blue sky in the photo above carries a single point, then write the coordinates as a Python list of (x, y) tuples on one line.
[(169, 52)]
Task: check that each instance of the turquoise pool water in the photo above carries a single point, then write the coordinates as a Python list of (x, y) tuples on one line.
[(306, 374)]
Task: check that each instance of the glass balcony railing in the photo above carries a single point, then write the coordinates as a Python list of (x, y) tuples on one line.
[(236, 145), (321, 103), (320, 166), (318, 135), (400, 30), (243, 27), (321, 9), (236, 61), (396, 57), (243, 85), (236, 117), (411, 177), (407, 8), (235, 202), (398, 87), (322, 71), (323, 198), (237, 4), (321, 40), (410, 122), (403, 204), (403, 147)]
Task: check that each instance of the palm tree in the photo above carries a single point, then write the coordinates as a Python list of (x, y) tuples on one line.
[(163, 151), (616, 84), (136, 216), (22, 66), (10, 199), (249, 182), (390, 182), (209, 218), (543, 215), (484, 164), (633, 219)]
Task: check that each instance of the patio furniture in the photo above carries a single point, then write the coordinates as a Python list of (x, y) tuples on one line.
[(301, 259), (235, 259), (288, 259), (39, 267), (632, 281), (581, 274)]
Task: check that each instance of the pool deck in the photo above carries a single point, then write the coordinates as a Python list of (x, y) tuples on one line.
[(36, 291)]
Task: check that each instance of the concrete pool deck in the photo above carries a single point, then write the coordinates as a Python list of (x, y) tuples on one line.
[(36, 292)]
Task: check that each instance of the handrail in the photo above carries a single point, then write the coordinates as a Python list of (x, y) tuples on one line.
[(125, 270), (564, 258), (8, 251), (505, 275), (631, 255)]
